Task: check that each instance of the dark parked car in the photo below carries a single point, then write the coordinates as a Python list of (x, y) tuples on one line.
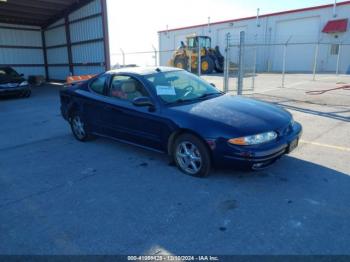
[(12, 83), (176, 112)]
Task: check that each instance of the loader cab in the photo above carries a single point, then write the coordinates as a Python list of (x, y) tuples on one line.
[(203, 41)]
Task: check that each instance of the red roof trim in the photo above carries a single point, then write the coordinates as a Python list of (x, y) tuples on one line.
[(336, 26), (254, 17)]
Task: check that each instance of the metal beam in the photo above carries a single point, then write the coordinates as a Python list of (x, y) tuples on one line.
[(22, 65), (20, 47), (19, 28), (69, 45), (60, 2), (37, 4), (105, 35), (45, 54), (23, 14), (12, 9), (67, 11), (18, 21)]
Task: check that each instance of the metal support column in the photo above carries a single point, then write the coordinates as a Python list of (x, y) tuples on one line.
[(338, 59), (241, 63), (69, 45), (315, 61), (47, 77), (155, 56), (227, 63), (199, 66), (123, 55)]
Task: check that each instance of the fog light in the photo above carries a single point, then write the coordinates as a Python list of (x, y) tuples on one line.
[(258, 165)]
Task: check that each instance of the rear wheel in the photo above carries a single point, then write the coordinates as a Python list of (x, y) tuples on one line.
[(180, 62), (192, 156), (78, 127)]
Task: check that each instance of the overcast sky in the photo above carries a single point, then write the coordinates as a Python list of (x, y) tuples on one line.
[(133, 24)]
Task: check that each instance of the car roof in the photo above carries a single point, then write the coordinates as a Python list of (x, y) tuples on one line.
[(145, 70)]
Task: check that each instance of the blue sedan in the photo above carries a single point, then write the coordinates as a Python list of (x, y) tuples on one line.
[(177, 113)]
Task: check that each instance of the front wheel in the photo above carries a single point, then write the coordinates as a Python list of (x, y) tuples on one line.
[(26, 93), (192, 156)]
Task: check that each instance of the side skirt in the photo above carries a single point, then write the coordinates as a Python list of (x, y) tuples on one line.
[(129, 143)]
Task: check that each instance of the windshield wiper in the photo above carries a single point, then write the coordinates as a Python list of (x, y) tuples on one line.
[(181, 100), (208, 94)]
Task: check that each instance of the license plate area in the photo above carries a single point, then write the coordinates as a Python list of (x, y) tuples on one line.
[(293, 145)]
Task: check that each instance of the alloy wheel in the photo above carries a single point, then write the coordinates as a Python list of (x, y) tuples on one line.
[(189, 157), (78, 127)]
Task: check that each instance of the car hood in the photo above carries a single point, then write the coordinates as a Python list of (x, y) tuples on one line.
[(246, 116)]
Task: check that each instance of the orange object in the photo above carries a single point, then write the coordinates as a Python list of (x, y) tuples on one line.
[(74, 79), (238, 141)]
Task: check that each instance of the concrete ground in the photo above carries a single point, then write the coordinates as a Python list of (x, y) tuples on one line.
[(60, 196)]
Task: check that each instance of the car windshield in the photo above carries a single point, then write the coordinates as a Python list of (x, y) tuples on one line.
[(7, 71), (176, 87)]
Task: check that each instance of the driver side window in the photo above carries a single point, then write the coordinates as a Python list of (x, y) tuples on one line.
[(126, 88), (98, 84)]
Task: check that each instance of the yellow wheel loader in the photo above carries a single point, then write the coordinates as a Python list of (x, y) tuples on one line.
[(187, 54)]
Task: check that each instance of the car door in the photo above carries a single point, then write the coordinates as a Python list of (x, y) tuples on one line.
[(140, 125), (93, 103)]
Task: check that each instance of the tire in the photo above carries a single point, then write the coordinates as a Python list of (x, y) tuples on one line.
[(196, 161), (27, 93), (78, 127), (207, 65), (181, 62), (218, 67)]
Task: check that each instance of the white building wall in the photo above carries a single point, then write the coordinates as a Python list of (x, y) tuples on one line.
[(303, 29)]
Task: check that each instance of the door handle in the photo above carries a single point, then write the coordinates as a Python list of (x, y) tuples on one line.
[(111, 108)]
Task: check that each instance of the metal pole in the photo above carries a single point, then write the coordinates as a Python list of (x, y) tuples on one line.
[(227, 63), (254, 67), (284, 61), (338, 59), (284, 64), (123, 54), (257, 17), (155, 56), (209, 30), (315, 61), (240, 64), (190, 63), (199, 66)]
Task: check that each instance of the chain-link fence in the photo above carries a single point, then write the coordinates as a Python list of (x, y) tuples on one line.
[(255, 66), (251, 65)]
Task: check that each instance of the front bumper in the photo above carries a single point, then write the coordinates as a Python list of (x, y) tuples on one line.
[(14, 90), (258, 155)]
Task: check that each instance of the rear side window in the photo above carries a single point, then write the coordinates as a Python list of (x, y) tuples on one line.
[(98, 85)]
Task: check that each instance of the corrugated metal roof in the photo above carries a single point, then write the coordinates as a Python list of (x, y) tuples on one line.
[(36, 12)]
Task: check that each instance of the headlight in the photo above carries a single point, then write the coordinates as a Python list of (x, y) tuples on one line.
[(24, 83), (254, 140)]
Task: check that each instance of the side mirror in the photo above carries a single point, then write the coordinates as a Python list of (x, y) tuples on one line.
[(212, 84), (21, 75), (142, 101)]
